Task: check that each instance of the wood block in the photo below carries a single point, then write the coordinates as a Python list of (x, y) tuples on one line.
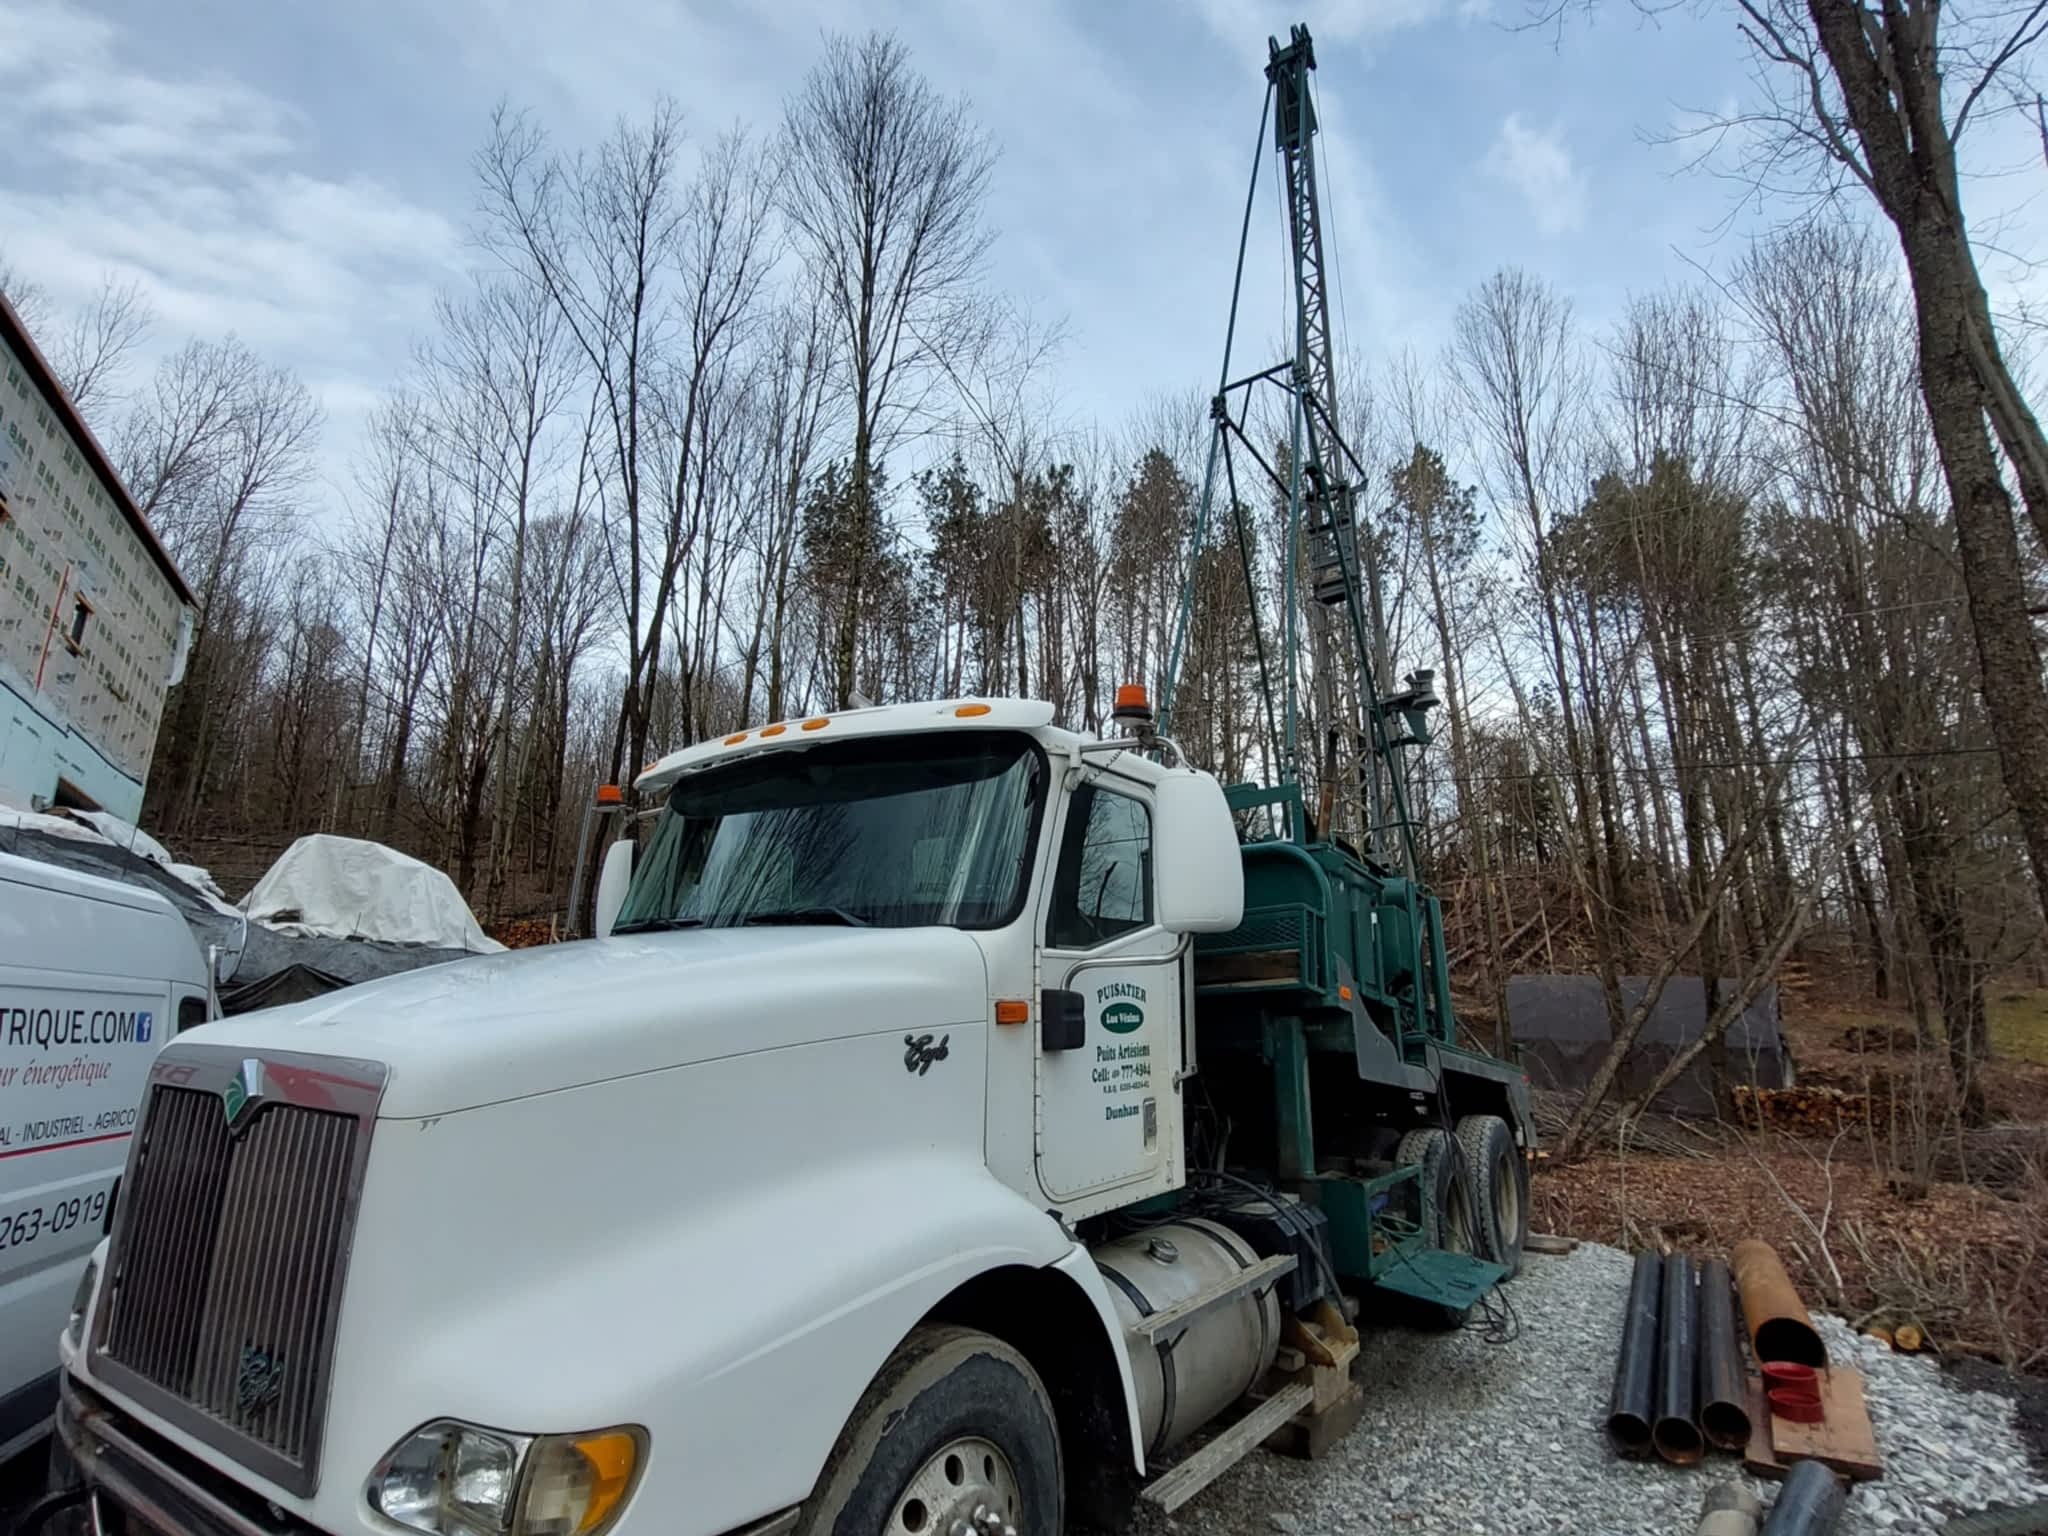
[(1311, 1433), (1843, 1439), (1544, 1242)]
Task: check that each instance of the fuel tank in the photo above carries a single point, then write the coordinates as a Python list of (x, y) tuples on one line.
[(1187, 1378)]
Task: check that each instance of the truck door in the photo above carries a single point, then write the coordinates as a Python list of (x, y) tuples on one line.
[(1102, 1103)]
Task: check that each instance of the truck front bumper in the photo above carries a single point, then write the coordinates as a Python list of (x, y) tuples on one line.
[(138, 1481)]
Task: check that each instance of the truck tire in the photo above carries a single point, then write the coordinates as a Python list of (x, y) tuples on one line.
[(957, 1421), (1500, 1189), (1447, 1218)]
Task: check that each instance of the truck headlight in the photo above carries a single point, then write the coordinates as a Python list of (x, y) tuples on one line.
[(453, 1479), (81, 1300)]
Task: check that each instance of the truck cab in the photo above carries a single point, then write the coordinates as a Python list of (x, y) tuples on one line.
[(860, 1177)]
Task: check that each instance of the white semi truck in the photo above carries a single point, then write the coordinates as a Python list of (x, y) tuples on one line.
[(933, 1143), (958, 1114)]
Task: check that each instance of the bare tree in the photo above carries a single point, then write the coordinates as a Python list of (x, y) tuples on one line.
[(596, 234), (1852, 95), (31, 300), (883, 189), (219, 451), (1519, 368), (92, 352)]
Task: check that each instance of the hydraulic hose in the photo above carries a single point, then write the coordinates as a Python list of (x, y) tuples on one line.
[(1723, 1393), (1676, 1434), (1635, 1372)]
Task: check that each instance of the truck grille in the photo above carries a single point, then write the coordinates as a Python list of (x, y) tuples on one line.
[(231, 1246)]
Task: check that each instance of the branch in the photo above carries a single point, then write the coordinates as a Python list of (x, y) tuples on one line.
[(2033, 22)]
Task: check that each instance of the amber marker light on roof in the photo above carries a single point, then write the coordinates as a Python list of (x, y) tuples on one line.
[(971, 711), (1132, 696), (773, 730), (609, 794), (735, 738), (818, 724)]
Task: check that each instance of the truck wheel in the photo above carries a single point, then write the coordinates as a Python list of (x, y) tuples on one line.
[(1500, 1188), (955, 1437), (1447, 1222)]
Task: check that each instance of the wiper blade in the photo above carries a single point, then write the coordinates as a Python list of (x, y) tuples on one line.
[(799, 915), (659, 924)]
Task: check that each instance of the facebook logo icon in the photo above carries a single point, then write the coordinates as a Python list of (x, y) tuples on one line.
[(143, 1025)]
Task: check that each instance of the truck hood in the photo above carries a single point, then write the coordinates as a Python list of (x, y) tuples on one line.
[(531, 1021)]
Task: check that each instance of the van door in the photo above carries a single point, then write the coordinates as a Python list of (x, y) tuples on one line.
[(1099, 1102), (77, 1038)]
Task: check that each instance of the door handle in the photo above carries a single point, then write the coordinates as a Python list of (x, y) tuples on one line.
[(1062, 1020)]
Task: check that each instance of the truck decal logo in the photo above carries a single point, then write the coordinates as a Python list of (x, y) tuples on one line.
[(1122, 1018), (259, 1379), (243, 1089), (919, 1053)]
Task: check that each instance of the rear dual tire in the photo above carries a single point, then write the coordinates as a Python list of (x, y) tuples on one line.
[(1500, 1188), (1476, 1190)]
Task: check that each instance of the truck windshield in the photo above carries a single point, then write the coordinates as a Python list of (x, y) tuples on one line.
[(897, 832)]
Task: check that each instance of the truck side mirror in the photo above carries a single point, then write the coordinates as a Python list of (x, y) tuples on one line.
[(1200, 878), (613, 876)]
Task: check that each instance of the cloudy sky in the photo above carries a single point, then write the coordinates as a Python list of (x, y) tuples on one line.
[(299, 174)]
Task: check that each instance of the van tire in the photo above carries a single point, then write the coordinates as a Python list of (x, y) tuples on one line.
[(943, 1388)]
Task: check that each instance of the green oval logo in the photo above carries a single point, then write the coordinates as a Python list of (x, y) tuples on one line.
[(1122, 1018)]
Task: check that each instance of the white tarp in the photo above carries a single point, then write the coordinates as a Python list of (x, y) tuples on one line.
[(344, 887), (105, 827), (127, 835)]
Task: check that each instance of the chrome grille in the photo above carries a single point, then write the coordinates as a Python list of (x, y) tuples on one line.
[(230, 1248)]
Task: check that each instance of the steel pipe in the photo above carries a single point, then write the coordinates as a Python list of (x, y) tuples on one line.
[(1779, 1328), (1676, 1432), (1724, 1395), (1809, 1503), (1635, 1372)]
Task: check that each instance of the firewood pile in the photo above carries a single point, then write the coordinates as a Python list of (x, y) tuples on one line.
[(1806, 1111), (524, 932)]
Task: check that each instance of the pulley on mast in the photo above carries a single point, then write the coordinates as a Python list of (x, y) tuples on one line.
[(1347, 640)]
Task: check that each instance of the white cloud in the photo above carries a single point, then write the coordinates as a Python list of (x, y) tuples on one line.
[(1538, 166), (201, 188)]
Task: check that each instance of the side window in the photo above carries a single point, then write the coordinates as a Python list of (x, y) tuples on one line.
[(1104, 885)]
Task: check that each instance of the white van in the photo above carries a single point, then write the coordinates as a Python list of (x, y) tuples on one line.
[(94, 977)]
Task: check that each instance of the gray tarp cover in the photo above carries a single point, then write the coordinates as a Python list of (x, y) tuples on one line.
[(258, 958), (1560, 1030)]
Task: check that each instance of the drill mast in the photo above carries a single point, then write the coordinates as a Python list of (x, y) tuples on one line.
[(1347, 640)]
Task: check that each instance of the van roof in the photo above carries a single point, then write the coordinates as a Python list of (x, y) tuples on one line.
[(58, 880)]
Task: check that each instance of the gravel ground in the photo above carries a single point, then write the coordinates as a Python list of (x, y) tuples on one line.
[(1461, 1435)]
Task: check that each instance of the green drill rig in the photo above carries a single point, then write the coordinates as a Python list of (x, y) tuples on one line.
[(1328, 1048)]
